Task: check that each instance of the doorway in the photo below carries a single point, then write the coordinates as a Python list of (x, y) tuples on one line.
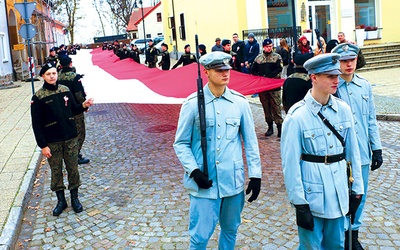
[(319, 17)]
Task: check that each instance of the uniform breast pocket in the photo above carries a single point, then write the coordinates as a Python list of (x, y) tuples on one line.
[(365, 105), (209, 127), (314, 141), (342, 127), (232, 128)]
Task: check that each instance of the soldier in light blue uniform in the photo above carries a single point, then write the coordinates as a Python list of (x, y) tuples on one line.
[(220, 198), (314, 160), (356, 91)]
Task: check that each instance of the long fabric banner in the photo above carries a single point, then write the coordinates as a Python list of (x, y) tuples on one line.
[(179, 82)]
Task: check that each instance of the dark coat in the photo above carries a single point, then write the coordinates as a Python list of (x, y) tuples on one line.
[(52, 110), (295, 88)]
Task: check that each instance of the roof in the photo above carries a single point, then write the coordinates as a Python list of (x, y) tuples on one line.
[(136, 17)]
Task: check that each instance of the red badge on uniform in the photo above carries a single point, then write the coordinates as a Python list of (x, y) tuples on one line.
[(66, 100)]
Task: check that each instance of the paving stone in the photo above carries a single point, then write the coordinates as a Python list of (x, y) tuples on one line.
[(133, 196)]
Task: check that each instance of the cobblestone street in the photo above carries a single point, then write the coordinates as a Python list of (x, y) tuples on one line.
[(133, 195)]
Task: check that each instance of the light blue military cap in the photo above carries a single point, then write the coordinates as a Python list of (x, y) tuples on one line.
[(324, 64), (346, 51), (216, 60)]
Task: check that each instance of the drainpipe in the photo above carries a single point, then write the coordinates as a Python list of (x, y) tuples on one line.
[(176, 40)]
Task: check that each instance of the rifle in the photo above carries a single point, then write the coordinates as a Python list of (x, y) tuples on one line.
[(202, 111), (318, 35)]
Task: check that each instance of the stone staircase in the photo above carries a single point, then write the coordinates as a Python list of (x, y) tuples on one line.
[(381, 56)]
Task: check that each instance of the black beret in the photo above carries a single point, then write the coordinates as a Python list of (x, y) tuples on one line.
[(202, 47), (165, 45), (46, 67), (65, 60), (225, 42), (187, 45), (300, 59)]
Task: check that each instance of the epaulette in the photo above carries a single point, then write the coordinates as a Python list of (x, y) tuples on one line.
[(234, 92), (358, 76), (191, 96), (296, 106)]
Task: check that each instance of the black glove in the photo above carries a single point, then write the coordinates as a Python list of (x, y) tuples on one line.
[(201, 179), (376, 159), (255, 186), (354, 203), (304, 218)]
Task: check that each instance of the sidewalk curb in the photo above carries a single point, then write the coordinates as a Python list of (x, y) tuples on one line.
[(11, 229)]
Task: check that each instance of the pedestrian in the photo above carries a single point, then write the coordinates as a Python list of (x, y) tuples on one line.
[(331, 44), (297, 84), (151, 55), (134, 53), (268, 64), (72, 80), (186, 58), (239, 48), (252, 50), (226, 45), (217, 46), (218, 197), (53, 57), (202, 50), (52, 109), (285, 54), (314, 158), (165, 62), (357, 93)]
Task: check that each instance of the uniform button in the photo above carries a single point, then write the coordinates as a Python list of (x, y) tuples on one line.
[(219, 137), (218, 112), (355, 122), (329, 133), (219, 125), (312, 135), (350, 93), (340, 128), (217, 162), (331, 146), (218, 149), (324, 109), (309, 189)]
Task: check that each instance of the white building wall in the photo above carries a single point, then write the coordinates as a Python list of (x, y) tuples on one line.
[(152, 27), (5, 55)]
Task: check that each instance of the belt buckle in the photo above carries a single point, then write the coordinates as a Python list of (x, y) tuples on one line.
[(326, 160)]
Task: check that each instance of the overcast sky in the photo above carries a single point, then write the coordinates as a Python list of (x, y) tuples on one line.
[(90, 26)]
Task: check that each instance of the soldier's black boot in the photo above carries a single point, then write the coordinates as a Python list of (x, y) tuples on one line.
[(279, 127), (354, 240), (61, 204), (82, 160), (76, 205), (270, 130)]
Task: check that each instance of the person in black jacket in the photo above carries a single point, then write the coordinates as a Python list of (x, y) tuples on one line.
[(52, 110), (165, 62), (186, 58), (297, 84), (135, 53), (151, 55), (72, 80), (239, 48)]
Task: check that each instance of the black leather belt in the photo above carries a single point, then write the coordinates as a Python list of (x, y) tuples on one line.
[(323, 159)]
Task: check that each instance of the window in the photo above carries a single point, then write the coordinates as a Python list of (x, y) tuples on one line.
[(365, 12), (171, 25), (159, 19), (3, 46), (279, 14), (182, 30)]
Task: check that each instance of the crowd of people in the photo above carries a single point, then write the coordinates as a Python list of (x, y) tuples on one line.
[(329, 136)]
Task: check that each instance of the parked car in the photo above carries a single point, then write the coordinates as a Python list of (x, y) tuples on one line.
[(140, 44)]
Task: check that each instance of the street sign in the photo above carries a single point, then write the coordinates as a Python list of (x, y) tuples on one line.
[(27, 31), (19, 46), (25, 9)]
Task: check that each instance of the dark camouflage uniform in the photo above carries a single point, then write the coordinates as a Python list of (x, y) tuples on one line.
[(269, 65), (52, 111), (72, 80)]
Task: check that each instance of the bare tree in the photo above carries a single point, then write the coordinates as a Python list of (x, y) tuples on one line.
[(121, 11), (67, 9), (98, 6)]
